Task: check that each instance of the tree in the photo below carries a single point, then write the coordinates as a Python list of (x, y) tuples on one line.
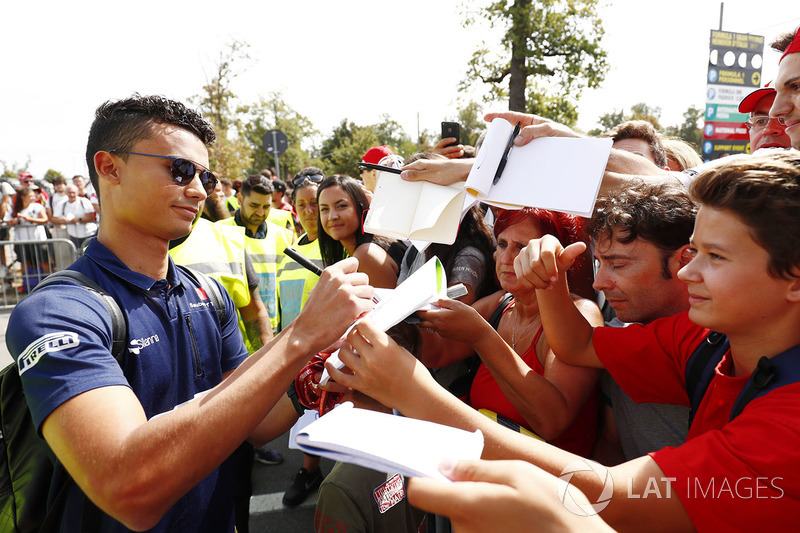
[(341, 152), (274, 113), (554, 44), (51, 174), (689, 130), (230, 155), (470, 117), (12, 170), (640, 111)]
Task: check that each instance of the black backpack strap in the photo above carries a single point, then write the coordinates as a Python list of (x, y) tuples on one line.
[(700, 368), (770, 374), (494, 320), (212, 290), (119, 323)]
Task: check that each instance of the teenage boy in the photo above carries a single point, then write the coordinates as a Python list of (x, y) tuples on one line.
[(744, 282), (134, 435)]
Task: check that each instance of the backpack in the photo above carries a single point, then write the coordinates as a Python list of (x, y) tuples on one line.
[(27, 464), (769, 374)]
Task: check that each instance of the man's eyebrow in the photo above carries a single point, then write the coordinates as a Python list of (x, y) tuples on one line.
[(791, 81), (611, 257)]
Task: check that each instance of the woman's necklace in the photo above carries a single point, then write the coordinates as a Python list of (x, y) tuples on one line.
[(514, 330)]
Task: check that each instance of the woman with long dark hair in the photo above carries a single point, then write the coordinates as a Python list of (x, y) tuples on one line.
[(342, 202)]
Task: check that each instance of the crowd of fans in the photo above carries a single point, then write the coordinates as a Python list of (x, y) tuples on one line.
[(577, 338)]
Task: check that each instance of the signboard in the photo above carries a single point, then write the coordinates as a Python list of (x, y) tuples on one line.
[(734, 71)]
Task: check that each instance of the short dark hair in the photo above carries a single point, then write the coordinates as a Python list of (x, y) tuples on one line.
[(661, 214), (640, 129), (782, 42), (258, 183), (118, 125), (764, 192)]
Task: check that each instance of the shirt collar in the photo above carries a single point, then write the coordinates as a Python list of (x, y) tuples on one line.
[(261, 232), (106, 260)]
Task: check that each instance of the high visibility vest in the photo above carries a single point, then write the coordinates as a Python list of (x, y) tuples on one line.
[(266, 255), (295, 281), (232, 202), (282, 218), (219, 252)]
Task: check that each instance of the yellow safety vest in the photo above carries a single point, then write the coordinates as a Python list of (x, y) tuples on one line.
[(232, 202), (266, 255), (218, 251), (295, 281), (282, 218)]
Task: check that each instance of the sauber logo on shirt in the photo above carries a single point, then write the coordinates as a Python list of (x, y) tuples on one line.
[(137, 344), (52, 342)]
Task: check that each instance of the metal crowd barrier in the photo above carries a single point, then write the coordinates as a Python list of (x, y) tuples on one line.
[(23, 264)]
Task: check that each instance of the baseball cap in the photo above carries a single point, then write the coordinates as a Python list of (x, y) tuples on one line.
[(376, 153), (25, 176), (793, 47), (750, 101)]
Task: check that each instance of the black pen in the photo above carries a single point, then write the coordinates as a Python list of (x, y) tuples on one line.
[(380, 167), (303, 260), (504, 160)]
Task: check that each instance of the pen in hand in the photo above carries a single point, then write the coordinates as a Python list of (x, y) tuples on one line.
[(303, 260)]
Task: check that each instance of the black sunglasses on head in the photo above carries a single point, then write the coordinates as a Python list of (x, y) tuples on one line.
[(313, 178), (183, 170)]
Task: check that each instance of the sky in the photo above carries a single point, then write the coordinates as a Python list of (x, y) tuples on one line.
[(330, 59)]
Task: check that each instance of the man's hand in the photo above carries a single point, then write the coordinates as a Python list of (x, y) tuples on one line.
[(454, 320), (437, 171), (499, 496), (450, 152), (341, 296), (542, 261), (533, 126)]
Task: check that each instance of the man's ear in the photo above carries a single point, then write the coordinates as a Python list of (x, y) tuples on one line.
[(685, 255), (107, 167), (793, 289)]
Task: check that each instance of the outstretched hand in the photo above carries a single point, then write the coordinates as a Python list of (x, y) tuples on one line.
[(439, 171), (454, 320), (499, 496), (541, 263), (450, 151), (533, 126), (378, 367)]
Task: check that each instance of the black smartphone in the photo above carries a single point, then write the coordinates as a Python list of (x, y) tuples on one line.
[(451, 129)]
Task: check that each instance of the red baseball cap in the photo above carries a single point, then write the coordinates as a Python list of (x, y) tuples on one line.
[(750, 101), (376, 153)]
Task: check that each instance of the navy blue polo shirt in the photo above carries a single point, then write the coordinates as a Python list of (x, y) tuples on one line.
[(61, 335)]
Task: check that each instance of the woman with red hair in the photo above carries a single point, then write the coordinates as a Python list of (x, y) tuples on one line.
[(519, 381)]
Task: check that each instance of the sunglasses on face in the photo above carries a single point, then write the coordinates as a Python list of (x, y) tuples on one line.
[(313, 178), (183, 170)]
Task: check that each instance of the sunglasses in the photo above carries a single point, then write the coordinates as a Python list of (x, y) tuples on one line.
[(183, 170), (313, 178)]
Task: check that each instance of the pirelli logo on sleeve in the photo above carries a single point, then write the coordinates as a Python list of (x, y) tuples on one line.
[(52, 342)]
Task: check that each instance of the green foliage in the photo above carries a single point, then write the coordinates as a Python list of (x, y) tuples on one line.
[(689, 130), (470, 117), (553, 46), (230, 155), (12, 170), (274, 113), (51, 174)]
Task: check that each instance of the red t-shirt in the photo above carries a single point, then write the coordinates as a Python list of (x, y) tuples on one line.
[(578, 438), (742, 475)]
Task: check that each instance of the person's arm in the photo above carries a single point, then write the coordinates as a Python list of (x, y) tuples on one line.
[(39, 218), (377, 264), (135, 469), (391, 375), (501, 496), (59, 219), (543, 264), (439, 171), (254, 315)]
